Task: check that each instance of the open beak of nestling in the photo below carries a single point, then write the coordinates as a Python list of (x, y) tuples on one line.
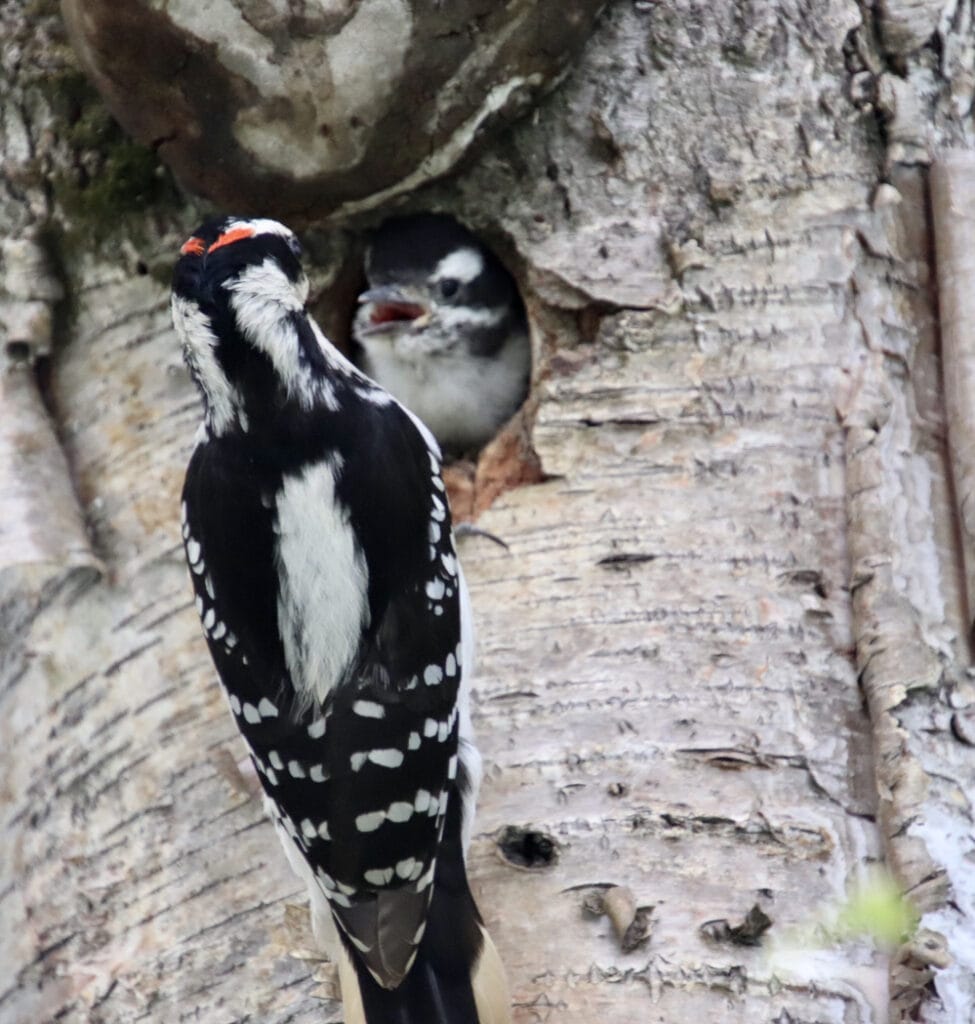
[(387, 308)]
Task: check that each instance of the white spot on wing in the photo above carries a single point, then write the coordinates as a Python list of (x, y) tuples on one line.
[(371, 821), (266, 709), (387, 757), (435, 589), (432, 675), (317, 729), (400, 811), (427, 878), (251, 714), (405, 867), (368, 709)]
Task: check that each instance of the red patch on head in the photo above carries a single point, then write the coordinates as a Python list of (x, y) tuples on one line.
[(192, 245), (387, 312), (229, 237)]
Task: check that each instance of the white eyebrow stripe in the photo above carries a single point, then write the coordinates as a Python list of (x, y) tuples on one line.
[(261, 226), (462, 264)]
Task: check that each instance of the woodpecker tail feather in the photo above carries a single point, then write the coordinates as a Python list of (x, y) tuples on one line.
[(426, 997), (457, 977)]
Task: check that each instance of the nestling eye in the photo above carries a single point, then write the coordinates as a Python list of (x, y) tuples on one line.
[(448, 287), (295, 246)]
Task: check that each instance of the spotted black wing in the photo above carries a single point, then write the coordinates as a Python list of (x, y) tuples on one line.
[(228, 536)]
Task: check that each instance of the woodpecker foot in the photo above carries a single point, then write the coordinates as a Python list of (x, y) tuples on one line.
[(470, 530)]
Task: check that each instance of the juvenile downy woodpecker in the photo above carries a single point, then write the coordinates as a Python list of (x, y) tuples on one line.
[(442, 328), (319, 544)]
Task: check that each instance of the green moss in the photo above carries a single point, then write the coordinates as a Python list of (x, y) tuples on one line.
[(110, 181), (129, 180)]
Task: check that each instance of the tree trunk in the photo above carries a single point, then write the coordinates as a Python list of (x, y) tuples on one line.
[(724, 661)]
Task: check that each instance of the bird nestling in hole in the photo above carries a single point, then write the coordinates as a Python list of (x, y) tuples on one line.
[(442, 327)]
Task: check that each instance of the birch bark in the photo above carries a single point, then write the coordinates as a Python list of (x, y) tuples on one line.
[(725, 660)]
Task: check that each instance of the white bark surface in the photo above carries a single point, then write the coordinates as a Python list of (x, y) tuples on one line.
[(725, 661)]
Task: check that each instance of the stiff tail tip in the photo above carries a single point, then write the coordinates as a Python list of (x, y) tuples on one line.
[(489, 987), (349, 985)]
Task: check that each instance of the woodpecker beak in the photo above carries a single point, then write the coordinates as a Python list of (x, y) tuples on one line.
[(390, 306)]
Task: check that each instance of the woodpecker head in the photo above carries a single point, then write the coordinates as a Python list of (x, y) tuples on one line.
[(228, 255), (238, 305), (435, 289)]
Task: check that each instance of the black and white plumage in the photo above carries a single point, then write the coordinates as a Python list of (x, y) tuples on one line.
[(319, 543), (442, 327)]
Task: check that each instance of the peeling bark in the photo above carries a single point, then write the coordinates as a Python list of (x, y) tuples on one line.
[(952, 202)]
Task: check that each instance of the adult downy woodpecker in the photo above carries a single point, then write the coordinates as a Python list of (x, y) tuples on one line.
[(319, 544), (442, 327)]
